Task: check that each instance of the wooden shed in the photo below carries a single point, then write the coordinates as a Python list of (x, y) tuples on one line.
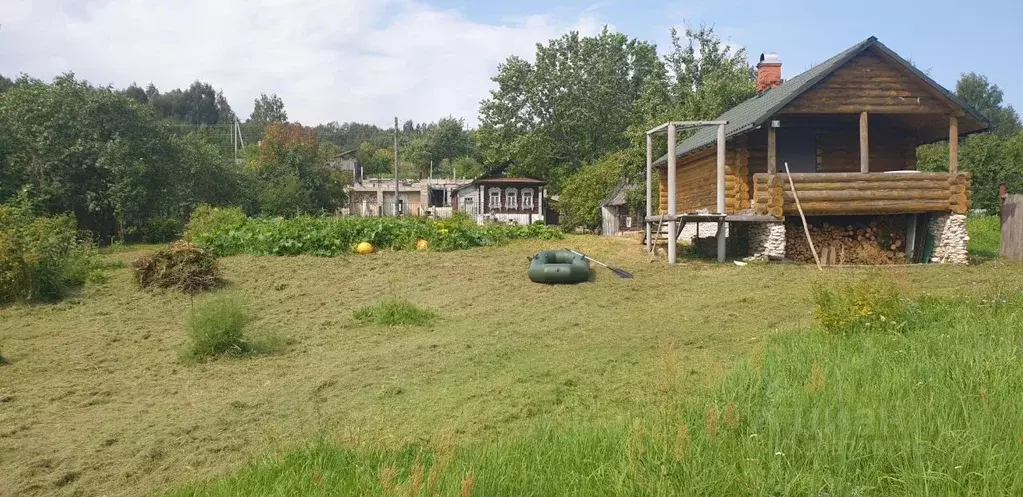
[(847, 129), (616, 217)]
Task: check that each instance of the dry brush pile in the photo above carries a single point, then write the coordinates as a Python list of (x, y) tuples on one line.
[(181, 266)]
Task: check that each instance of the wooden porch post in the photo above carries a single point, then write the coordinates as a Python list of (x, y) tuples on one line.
[(672, 208), (864, 144), (953, 145), (772, 150), (721, 192), (649, 191)]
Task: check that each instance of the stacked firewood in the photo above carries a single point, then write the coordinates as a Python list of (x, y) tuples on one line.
[(879, 241)]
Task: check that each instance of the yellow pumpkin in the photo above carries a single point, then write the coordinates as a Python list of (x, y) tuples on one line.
[(364, 248), (422, 244)]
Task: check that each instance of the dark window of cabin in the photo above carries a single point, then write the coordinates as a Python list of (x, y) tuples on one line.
[(798, 147)]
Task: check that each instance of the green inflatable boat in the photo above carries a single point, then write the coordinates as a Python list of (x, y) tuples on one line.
[(558, 266)]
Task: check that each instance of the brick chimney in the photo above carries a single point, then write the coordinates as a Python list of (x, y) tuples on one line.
[(768, 72)]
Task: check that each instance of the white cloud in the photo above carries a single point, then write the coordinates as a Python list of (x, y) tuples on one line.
[(343, 60)]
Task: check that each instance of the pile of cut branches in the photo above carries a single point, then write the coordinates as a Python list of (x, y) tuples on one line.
[(182, 266)]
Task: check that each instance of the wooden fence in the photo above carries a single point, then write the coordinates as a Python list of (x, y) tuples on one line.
[(1012, 228)]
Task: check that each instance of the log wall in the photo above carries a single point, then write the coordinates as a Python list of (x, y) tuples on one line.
[(822, 194), (696, 182), (871, 83)]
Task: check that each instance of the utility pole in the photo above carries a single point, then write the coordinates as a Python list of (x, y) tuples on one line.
[(396, 200)]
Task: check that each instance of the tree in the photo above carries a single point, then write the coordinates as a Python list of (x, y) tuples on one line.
[(89, 151), (268, 109), (137, 94), (572, 106), (291, 171), (986, 98), (993, 158), (707, 76), (583, 191), (5, 83)]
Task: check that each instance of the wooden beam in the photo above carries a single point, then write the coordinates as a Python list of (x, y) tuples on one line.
[(953, 145), (864, 144), (772, 150), (672, 203)]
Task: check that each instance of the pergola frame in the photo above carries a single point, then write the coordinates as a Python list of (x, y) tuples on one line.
[(670, 128)]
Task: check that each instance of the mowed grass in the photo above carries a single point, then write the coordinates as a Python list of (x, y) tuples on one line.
[(99, 402), (929, 411)]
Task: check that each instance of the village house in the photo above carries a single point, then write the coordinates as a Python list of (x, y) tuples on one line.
[(495, 196), (847, 131)]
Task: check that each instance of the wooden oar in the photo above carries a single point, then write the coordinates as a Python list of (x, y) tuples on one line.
[(618, 271)]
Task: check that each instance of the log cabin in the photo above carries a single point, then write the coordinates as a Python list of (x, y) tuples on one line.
[(841, 137)]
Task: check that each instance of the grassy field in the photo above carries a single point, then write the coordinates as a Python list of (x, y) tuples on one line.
[(96, 400)]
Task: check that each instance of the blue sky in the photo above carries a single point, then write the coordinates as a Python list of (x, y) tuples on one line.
[(368, 60), (943, 37)]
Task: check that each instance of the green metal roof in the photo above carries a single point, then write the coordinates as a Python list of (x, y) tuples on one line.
[(754, 112)]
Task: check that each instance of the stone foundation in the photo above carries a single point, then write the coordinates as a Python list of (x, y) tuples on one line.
[(766, 241), (706, 230), (949, 232)]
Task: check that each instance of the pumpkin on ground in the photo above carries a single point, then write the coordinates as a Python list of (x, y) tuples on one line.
[(364, 248)]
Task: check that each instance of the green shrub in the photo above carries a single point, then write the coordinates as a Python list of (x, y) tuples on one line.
[(207, 219), (41, 258), (333, 236), (220, 327), (394, 312), (160, 230), (871, 304), (217, 327), (181, 266)]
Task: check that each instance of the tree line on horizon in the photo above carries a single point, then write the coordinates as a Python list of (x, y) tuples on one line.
[(124, 160)]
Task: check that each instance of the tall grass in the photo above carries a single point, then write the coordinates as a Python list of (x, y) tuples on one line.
[(985, 236), (930, 410), (219, 327), (394, 312)]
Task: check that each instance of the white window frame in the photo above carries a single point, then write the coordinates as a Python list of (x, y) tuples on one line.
[(511, 196), (494, 193), (527, 194)]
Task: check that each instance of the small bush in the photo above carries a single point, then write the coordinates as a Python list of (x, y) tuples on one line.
[(871, 304), (181, 266), (220, 327), (217, 327), (160, 230), (394, 312), (41, 258), (207, 219)]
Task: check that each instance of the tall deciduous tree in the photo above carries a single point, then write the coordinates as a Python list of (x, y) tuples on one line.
[(986, 98), (573, 105), (993, 158), (268, 109), (89, 151)]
